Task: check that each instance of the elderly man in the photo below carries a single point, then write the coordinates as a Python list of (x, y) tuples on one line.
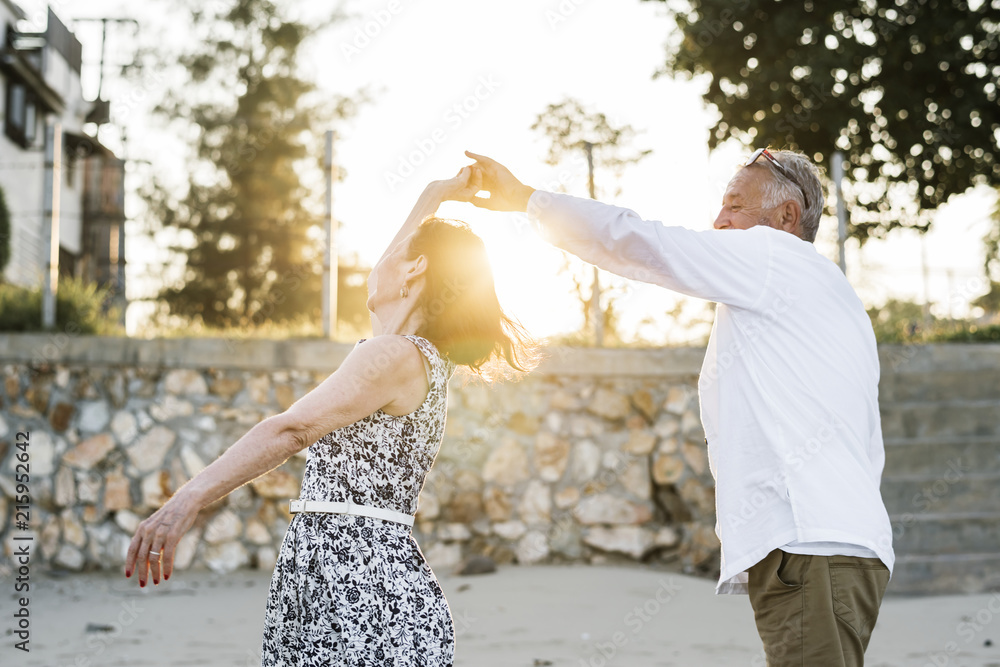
[(788, 391)]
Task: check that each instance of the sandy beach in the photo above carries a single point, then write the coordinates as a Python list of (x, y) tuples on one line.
[(519, 616)]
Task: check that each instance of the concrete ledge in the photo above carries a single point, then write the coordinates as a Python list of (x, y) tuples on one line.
[(315, 354), (904, 359), (311, 354)]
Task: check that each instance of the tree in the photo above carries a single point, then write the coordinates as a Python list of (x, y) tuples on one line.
[(992, 243), (990, 302), (572, 131), (251, 250), (906, 88), (569, 126)]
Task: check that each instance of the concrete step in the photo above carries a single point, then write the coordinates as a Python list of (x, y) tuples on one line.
[(940, 385), (945, 574), (955, 533), (934, 457), (958, 488), (917, 419)]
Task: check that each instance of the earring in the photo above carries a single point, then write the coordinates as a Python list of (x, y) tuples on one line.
[(403, 292)]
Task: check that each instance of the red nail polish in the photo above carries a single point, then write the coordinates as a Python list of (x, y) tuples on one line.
[(142, 584), (166, 576), (128, 573)]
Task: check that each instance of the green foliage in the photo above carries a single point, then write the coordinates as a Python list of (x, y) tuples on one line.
[(81, 308), (903, 322), (352, 316), (971, 333), (249, 244), (990, 302), (906, 88), (5, 234), (897, 321)]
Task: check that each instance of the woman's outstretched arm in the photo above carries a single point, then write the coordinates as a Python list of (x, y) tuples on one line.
[(427, 204), (380, 373)]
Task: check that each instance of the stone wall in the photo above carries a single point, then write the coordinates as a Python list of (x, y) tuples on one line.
[(597, 455)]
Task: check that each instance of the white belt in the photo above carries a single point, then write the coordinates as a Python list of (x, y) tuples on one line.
[(349, 508)]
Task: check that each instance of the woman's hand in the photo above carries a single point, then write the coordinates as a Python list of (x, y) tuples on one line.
[(161, 531), (462, 187)]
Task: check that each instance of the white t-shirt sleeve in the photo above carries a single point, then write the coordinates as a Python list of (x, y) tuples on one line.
[(725, 266)]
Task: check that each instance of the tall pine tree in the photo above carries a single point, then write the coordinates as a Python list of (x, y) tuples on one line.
[(256, 129)]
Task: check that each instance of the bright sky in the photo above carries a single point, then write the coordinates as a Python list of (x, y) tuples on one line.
[(450, 75)]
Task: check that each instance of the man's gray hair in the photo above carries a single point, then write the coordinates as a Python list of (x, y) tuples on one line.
[(778, 188)]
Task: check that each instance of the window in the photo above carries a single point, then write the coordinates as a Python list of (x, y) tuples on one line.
[(15, 107), (22, 114)]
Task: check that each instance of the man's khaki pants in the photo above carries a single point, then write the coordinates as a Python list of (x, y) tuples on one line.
[(816, 611)]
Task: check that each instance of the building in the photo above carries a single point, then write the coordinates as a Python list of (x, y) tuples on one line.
[(39, 87)]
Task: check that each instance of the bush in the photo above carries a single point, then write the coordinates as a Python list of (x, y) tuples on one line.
[(80, 308), (968, 333)]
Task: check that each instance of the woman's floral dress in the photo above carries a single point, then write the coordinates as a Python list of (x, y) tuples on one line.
[(355, 591)]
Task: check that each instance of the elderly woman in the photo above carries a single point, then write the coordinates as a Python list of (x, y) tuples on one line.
[(350, 585)]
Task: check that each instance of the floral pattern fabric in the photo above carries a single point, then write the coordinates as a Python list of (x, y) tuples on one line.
[(355, 591)]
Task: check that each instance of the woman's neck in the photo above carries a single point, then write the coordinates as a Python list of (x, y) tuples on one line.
[(400, 320)]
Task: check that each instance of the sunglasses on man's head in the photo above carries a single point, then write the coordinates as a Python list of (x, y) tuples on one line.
[(763, 152)]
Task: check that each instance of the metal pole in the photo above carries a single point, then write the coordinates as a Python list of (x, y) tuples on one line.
[(100, 74), (927, 282), (595, 292), (330, 259), (50, 222), (838, 177)]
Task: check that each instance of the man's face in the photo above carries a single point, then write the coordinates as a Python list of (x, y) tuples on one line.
[(741, 205)]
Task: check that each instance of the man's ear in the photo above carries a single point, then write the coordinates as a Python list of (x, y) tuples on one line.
[(790, 219)]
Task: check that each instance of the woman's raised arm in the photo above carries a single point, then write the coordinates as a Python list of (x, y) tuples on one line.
[(464, 185)]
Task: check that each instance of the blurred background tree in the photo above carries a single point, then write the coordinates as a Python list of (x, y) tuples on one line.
[(990, 302), (251, 245), (907, 89), (569, 127)]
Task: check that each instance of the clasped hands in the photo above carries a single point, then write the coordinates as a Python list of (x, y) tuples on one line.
[(506, 192)]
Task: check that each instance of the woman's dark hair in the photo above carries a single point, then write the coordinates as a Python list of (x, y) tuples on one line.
[(462, 315)]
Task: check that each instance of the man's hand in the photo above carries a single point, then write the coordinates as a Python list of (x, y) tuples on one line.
[(506, 192)]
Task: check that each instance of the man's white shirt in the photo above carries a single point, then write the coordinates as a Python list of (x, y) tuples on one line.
[(788, 388)]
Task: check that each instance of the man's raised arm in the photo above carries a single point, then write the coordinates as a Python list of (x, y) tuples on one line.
[(725, 266)]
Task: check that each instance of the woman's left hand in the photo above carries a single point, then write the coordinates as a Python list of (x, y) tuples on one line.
[(463, 186), (161, 531)]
